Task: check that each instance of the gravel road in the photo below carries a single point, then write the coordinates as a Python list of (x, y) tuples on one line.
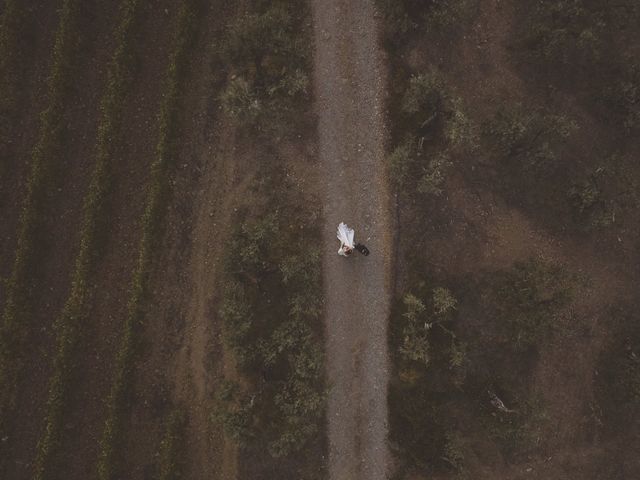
[(349, 86)]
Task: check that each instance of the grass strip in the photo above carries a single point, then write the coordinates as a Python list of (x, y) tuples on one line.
[(10, 26), (15, 314), (68, 324), (171, 446), (151, 219)]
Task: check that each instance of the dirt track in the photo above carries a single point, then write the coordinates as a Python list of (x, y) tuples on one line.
[(349, 89)]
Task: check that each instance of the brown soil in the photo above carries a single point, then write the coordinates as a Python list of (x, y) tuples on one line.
[(349, 102)]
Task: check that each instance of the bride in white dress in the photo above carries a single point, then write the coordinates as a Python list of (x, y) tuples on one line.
[(345, 235)]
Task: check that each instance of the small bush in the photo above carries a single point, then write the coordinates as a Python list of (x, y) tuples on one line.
[(622, 96), (235, 410), (400, 162), (618, 380), (519, 432), (68, 324), (171, 446), (528, 139), (240, 101), (151, 221), (566, 31), (429, 106), (402, 18), (527, 300), (436, 128), (606, 195), (271, 311), (454, 451), (267, 51), (433, 177)]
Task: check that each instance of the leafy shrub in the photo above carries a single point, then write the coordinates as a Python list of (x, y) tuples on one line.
[(571, 32), (171, 446), (151, 222), (13, 331), (519, 431), (566, 31), (618, 380), (433, 177), (623, 97), (436, 127), (237, 316), (454, 451), (271, 312), (428, 104), (268, 50), (405, 17), (240, 101), (418, 321), (235, 410), (69, 322), (527, 138), (527, 299), (605, 195), (400, 162), (443, 301)]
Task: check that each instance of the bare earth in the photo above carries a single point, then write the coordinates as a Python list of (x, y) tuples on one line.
[(349, 86)]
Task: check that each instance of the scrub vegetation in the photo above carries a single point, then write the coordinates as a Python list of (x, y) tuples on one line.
[(511, 158), (272, 303)]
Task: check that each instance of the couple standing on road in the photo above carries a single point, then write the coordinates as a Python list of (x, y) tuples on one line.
[(345, 235)]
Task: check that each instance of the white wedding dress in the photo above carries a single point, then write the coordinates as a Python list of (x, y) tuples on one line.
[(345, 235)]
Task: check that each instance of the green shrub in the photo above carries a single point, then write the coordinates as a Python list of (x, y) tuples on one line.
[(271, 312), (566, 31), (450, 13), (617, 385), (402, 18), (238, 320), (267, 49), (171, 446), (400, 162), (418, 321), (606, 195), (240, 101), (527, 300), (433, 177), (623, 97), (454, 451), (443, 301), (235, 410), (301, 406)]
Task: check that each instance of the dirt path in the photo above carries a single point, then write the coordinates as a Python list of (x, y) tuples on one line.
[(349, 94)]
